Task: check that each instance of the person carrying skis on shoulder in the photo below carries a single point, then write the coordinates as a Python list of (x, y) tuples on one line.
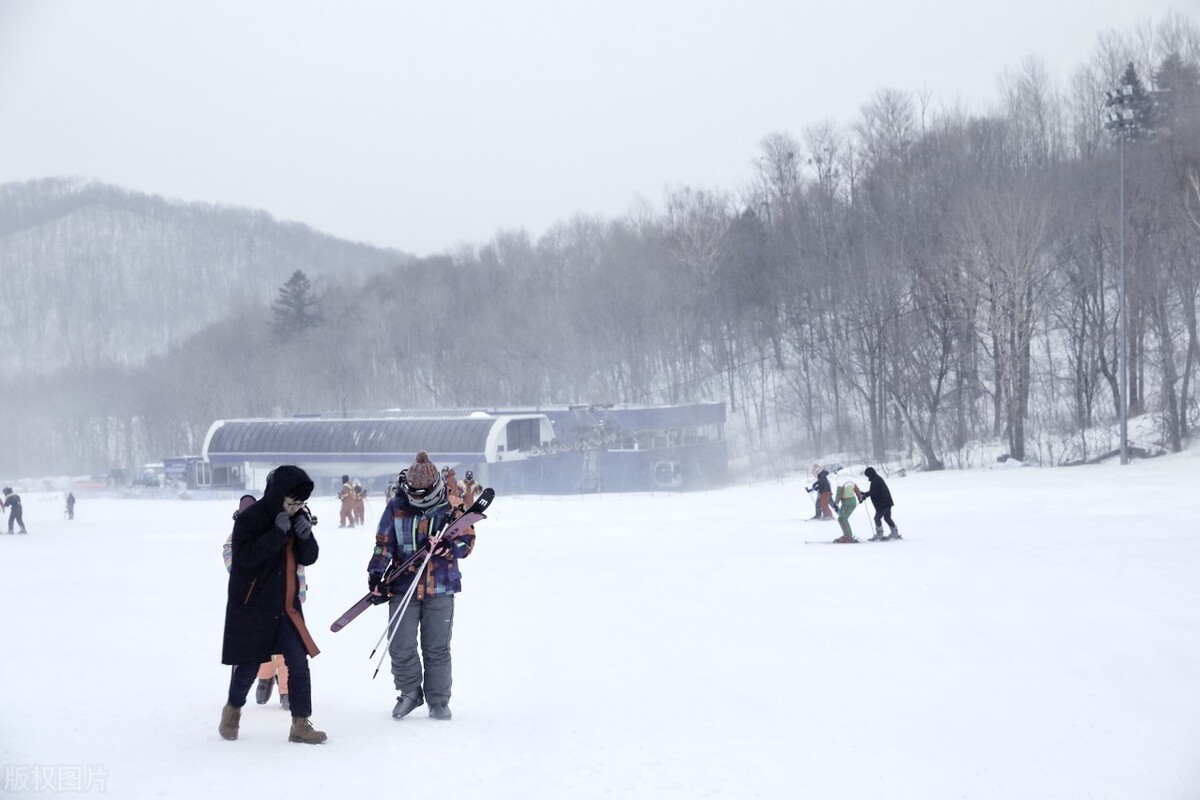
[(418, 512), (881, 498), (848, 500)]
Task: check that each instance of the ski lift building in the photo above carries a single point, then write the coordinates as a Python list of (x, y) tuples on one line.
[(555, 450)]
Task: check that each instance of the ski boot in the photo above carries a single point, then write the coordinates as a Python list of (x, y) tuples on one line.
[(405, 703), (895, 534), (878, 537), (845, 538), (439, 711)]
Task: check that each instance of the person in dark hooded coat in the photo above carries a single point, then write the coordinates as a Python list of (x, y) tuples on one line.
[(881, 497), (263, 615)]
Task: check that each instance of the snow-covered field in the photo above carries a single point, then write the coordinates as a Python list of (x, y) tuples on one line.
[(1036, 636)]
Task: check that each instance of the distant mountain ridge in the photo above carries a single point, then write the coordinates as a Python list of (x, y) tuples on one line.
[(92, 273)]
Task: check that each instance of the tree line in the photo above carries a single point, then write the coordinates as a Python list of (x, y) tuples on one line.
[(901, 287)]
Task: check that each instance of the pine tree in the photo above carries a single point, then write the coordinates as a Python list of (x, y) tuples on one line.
[(296, 308), (1177, 91)]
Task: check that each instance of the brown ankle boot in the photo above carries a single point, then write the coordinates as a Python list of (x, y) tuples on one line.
[(230, 719), (302, 731)]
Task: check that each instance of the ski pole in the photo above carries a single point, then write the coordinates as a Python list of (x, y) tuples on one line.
[(389, 631), (396, 573), (431, 544)]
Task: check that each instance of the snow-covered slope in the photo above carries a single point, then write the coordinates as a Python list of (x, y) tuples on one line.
[(1035, 636)]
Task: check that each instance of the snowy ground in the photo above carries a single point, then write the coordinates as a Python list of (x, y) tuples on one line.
[(1036, 636)]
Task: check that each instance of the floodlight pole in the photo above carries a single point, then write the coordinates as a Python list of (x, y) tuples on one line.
[(1119, 121), (1123, 368)]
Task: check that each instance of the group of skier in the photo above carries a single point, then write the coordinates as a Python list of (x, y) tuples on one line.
[(847, 497), (413, 568)]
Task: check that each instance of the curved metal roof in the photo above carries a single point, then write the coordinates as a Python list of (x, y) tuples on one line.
[(370, 439)]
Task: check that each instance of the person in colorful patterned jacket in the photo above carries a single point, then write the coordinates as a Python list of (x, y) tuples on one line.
[(419, 510)]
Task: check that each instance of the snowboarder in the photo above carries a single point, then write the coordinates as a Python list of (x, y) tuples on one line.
[(263, 614), (420, 509), (849, 497), (881, 497), (12, 501)]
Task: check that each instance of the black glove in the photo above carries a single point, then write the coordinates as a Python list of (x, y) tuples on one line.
[(283, 521), (302, 526), (376, 582)]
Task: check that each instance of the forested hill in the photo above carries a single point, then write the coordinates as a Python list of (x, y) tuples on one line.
[(94, 274)]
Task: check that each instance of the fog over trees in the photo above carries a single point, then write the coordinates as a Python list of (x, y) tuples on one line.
[(900, 286)]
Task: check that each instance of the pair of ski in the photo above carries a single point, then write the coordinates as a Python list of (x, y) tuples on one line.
[(393, 576)]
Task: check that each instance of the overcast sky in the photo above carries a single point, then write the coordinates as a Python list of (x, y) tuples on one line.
[(423, 125)]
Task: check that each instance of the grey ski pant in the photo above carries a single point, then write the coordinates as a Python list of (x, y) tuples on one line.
[(433, 618)]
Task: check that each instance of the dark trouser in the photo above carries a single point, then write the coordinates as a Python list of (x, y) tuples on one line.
[(434, 616), (299, 679), (15, 516), (883, 513)]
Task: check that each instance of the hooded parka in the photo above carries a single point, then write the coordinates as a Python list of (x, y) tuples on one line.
[(262, 574)]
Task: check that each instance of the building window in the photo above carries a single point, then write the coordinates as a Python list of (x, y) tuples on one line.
[(523, 434)]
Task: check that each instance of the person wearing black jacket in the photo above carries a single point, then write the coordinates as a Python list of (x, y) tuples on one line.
[(881, 497), (824, 494), (13, 502), (263, 615)]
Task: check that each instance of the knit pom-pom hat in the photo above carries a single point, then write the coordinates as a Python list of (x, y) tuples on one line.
[(422, 473)]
